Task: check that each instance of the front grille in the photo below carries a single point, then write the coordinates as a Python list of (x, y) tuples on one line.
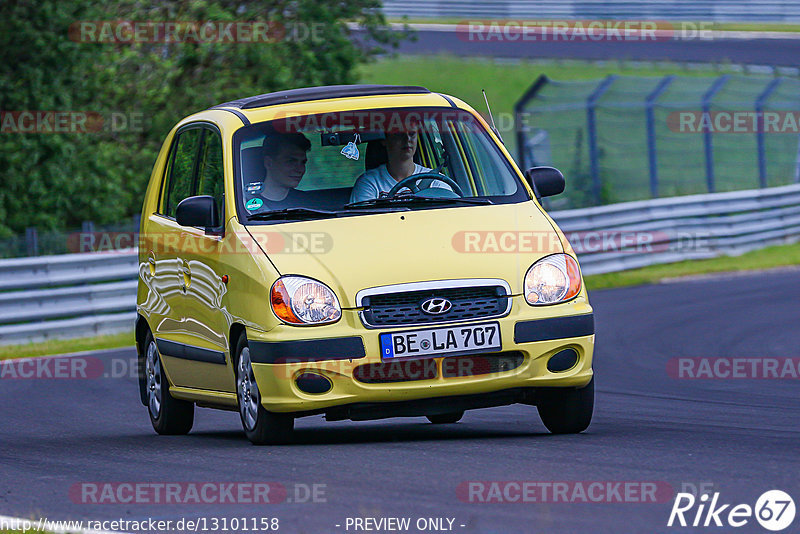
[(481, 364), (398, 309), (396, 371)]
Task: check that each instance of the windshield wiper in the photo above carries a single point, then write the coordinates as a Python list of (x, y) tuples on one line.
[(414, 199), (310, 214), (292, 213)]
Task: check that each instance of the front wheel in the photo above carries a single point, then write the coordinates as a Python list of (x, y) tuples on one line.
[(169, 416), (566, 410), (260, 426)]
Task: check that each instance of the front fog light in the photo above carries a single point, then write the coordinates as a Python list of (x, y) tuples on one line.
[(552, 279), (304, 301)]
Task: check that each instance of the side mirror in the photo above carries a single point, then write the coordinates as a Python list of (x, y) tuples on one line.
[(198, 211), (545, 181)]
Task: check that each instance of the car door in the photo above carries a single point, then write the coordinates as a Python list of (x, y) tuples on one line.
[(175, 331), (201, 262), (162, 234)]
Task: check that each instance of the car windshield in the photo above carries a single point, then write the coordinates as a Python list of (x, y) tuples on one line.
[(357, 162)]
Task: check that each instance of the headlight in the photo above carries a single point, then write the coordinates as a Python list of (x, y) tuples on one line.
[(552, 279), (303, 301)]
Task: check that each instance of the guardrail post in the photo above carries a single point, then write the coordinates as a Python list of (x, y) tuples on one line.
[(707, 134), (32, 241), (591, 127), (651, 133), (762, 157)]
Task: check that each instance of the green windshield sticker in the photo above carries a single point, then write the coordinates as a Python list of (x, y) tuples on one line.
[(253, 204)]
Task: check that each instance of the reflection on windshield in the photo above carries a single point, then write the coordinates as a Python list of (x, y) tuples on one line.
[(329, 161)]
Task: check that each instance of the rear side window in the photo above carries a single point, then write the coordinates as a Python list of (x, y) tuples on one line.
[(210, 180), (180, 181)]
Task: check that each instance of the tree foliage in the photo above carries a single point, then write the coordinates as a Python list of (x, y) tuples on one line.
[(57, 180)]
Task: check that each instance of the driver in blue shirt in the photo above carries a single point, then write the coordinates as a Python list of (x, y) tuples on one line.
[(400, 149)]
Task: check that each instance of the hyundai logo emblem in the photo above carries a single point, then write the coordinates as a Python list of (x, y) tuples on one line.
[(436, 306)]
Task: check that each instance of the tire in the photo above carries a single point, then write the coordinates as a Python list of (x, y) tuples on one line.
[(260, 426), (169, 416), (445, 418), (566, 410)]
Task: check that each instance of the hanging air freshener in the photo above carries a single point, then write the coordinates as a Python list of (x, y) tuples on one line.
[(350, 150)]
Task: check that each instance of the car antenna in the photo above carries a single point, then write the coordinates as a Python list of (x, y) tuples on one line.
[(494, 128)]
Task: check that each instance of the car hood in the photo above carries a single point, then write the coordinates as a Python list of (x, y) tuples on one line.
[(364, 251)]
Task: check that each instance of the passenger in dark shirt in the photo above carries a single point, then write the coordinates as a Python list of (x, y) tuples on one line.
[(285, 158)]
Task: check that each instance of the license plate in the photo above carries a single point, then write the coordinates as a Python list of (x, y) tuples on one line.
[(441, 341)]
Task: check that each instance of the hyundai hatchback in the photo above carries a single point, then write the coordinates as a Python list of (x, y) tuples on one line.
[(360, 252)]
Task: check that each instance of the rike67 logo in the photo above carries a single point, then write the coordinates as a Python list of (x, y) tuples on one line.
[(774, 510)]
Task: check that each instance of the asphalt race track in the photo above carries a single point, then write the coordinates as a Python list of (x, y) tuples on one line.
[(738, 436), (752, 51)]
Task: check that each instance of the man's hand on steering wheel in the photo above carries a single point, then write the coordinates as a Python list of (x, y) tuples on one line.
[(431, 175)]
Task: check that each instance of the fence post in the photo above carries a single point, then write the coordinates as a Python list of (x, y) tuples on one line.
[(32, 241), (88, 236), (762, 156), (707, 134), (519, 108), (651, 133), (591, 127)]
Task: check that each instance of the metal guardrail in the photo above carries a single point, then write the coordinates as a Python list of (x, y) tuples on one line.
[(70, 295), (629, 235), (695, 10), (83, 295)]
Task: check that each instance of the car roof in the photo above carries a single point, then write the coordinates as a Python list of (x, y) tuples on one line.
[(321, 93)]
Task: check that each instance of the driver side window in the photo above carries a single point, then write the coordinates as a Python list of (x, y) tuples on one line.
[(210, 176), (181, 171)]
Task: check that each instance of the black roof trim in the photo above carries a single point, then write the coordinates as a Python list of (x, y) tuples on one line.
[(239, 114), (321, 93), (452, 104)]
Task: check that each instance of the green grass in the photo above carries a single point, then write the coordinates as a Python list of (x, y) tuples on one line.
[(767, 258), (506, 81), (65, 346), (623, 159)]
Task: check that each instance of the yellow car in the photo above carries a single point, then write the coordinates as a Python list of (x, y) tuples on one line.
[(361, 252)]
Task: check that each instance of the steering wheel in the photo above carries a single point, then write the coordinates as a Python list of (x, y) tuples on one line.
[(405, 182)]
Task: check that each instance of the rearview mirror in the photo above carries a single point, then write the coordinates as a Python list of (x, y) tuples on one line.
[(198, 211), (545, 181)]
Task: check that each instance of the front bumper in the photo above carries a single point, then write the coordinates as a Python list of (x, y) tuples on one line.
[(335, 351)]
